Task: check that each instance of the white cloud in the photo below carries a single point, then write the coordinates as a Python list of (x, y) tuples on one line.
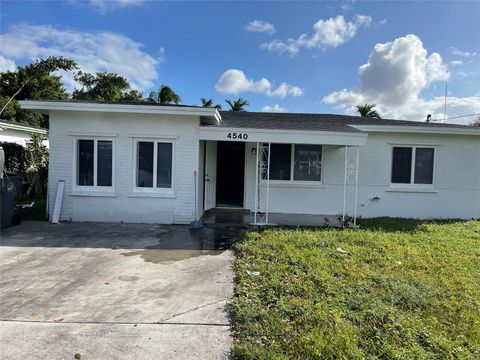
[(7, 64), (104, 5), (284, 89), (436, 70), (260, 26), (332, 32), (394, 77), (456, 62), (94, 52), (275, 108), (465, 54), (234, 81)]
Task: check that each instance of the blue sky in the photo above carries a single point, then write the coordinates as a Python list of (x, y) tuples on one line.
[(212, 49)]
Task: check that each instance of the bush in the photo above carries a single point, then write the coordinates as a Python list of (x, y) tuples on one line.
[(15, 158)]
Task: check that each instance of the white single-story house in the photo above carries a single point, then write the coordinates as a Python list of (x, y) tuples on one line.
[(19, 134), (169, 164)]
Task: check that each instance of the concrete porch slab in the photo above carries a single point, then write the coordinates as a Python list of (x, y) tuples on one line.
[(241, 216)]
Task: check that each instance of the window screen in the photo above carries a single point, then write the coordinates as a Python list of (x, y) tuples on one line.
[(423, 166), (145, 164), (164, 165), (401, 165), (85, 162), (280, 160), (308, 163), (104, 163)]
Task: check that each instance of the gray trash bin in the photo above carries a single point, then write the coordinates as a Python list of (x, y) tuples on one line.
[(10, 190)]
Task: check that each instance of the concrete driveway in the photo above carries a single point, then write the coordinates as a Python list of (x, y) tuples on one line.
[(106, 291)]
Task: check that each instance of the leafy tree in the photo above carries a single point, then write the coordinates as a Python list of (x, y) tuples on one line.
[(104, 86), (238, 104), (208, 103), (37, 160), (164, 95), (476, 123), (15, 158), (35, 81), (367, 110)]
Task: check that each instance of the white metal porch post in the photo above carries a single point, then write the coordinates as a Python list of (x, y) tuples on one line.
[(256, 185), (350, 184), (262, 184)]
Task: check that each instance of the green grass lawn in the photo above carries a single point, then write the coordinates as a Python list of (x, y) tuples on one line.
[(405, 290)]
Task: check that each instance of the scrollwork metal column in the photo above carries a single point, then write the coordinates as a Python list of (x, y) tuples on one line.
[(350, 186), (262, 184)]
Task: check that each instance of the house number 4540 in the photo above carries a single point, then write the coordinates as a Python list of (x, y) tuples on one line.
[(237, 136)]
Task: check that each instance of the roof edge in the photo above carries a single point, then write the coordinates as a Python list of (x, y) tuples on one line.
[(20, 127), (47, 106), (417, 129)]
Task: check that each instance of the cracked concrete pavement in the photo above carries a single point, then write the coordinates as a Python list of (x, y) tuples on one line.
[(105, 291)]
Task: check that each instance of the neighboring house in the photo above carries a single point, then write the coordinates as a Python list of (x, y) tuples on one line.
[(18, 133), (139, 163)]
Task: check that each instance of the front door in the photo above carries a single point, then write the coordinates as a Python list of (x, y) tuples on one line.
[(210, 173), (230, 173)]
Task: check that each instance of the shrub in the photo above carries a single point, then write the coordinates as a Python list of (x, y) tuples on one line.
[(15, 158)]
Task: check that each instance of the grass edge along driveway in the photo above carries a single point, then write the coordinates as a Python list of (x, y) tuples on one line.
[(395, 289)]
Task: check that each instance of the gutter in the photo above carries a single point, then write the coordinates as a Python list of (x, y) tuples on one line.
[(418, 129)]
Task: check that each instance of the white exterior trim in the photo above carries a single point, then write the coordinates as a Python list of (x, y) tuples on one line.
[(93, 134), (19, 127), (46, 106), (284, 136), (416, 129)]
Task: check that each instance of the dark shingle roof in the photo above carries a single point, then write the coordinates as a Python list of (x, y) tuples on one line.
[(143, 102), (315, 122)]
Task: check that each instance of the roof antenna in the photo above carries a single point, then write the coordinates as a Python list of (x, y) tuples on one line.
[(429, 118), (445, 107)]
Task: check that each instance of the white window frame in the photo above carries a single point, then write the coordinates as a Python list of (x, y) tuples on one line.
[(94, 187), (292, 180), (412, 184), (154, 189)]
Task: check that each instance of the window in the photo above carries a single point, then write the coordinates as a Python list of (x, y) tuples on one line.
[(154, 164), (308, 163), (412, 165), (296, 162), (94, 163), (280, 157), (423, 166)]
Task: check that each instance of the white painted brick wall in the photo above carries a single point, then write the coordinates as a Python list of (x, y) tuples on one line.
[(457, 181), (457, 174), (124, 207)]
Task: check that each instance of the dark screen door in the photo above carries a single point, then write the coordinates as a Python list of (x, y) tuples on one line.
[(230, 173)]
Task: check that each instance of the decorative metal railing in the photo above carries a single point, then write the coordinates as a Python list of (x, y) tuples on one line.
[(350, 186), (262, 184)]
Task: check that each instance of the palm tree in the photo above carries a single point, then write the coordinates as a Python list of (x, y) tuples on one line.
[(366, 110), (164, 95), (237, 105), (208, 103)]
